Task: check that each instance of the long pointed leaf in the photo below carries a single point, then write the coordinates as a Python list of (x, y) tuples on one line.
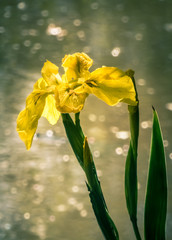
[(131, 169), (156, 196), (82, 151), (75, 137), (96, 196), (131, 164)]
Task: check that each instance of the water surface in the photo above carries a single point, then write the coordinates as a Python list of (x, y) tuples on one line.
[(42, 191)]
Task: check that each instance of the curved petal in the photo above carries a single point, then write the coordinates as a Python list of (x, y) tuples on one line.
[(39, 103), (27, 120), (50, 111), (76, 66), (50, 73), (111, 85), (40, 84)]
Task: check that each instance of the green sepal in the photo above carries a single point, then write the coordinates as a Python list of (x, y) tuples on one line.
[(156, 195)]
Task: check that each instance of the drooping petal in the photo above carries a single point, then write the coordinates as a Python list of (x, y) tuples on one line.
[(76, 66), (50, 73), (50, 111), (111, 85), (27, 120), (39, 102)]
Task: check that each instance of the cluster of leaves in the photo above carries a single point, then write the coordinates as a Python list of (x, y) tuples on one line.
[(156, 193)]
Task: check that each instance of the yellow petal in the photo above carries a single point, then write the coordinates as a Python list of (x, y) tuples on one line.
[(27, 120), (76, 66), (50, 73), (50, 111), (68, 101), (40, 84), (112, 86)]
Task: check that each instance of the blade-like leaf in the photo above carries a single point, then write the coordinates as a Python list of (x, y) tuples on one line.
[(156, 196), (131, 163), (82, 151), (96, 196), (75, 137), (131, 169)]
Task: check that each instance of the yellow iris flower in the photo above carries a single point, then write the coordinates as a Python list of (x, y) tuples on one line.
[(53, 94)]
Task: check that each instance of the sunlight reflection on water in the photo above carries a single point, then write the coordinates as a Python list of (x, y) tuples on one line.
[(43, 192)]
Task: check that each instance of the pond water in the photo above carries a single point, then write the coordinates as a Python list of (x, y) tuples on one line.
[(42, 191)]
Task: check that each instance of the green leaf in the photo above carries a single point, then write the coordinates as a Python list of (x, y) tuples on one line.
[(89, 167), (156, 196), (75, 137), (96, 196), (131, 184), (131, 162), (78, 126), (131, 169), (82, 151)]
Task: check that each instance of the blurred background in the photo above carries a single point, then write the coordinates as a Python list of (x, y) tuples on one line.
[(42, 191)]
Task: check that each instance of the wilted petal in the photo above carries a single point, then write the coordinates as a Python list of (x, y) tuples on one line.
[(27, 120), (112, 86)]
